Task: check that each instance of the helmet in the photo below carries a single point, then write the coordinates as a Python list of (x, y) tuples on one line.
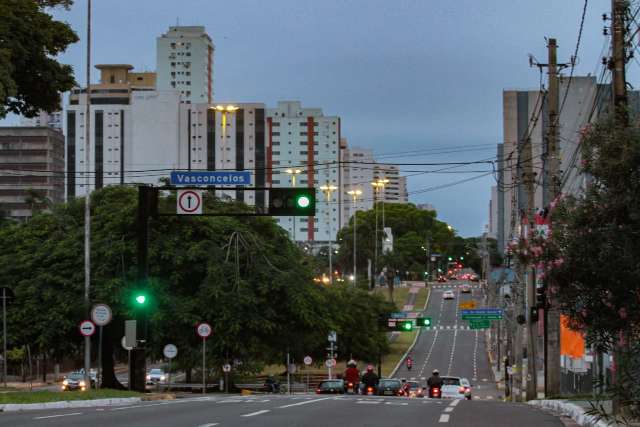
[(436, 372), (369, 368), (352, 363)]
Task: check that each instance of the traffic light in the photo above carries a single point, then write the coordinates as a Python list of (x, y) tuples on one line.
[(450, 258), (292, 201), (534, 314), (423, 321), (404, 325), (141, 299), (541, 296)]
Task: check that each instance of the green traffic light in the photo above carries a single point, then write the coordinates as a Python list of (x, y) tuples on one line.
[(424, 321), (141, 299), (303, 201), (450, 259), (462, 258), (407, 326)]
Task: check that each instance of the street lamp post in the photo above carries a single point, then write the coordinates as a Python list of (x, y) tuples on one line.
[(355, 193), (293, 173), (381, 184), (328, 189), (224, 110)]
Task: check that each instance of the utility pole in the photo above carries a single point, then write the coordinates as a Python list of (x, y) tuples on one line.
[(618, 62), (551, 314), (87, 201)]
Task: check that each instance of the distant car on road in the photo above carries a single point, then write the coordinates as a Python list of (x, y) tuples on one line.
[(455, 388), (465, 289), (330, 387), (448, 295), (75, 381), (442, 279), (156, 376), (412, 389), (389, 387)]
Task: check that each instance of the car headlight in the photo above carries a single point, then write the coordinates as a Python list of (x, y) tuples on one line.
[(162, 378), (82, 384), (65, 382), (148, 377)]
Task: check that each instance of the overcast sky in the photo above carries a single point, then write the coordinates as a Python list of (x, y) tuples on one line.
[(404, 75)]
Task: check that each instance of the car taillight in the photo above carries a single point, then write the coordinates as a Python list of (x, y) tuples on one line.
[(370, 389), (350, 384), (317, 391), (461, 389)]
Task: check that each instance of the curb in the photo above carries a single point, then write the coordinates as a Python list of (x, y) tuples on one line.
[(10, 407), (570, 410), (415, 340)]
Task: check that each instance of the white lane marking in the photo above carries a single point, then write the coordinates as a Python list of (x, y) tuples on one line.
[(253, 414), (304, 403), (444, 418), (57, 416), (453, 351), (369, 402), (449, 409), (209, 425), (454, 403), (475, 358), (397, 403)]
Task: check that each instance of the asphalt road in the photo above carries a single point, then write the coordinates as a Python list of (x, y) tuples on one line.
[(302, 410), (449, 345)]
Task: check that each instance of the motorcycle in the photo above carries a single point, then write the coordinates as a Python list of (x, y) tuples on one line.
[(350, 387), (409, 364), (435, 393), (369, 391)]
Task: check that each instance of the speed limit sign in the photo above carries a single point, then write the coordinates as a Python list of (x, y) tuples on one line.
[(204, 330)]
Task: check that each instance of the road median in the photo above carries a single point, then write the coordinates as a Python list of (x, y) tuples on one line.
[(25, 401)]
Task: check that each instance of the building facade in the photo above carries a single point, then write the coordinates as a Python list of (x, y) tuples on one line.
[(395, 191), (43, 119), (31, 170), (184, 56), (356, 177)]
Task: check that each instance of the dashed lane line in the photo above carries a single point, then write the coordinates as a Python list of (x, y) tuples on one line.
[(209, 425), (475, 359), (454, 403), (449, 409), (453, 351), (444, 418), (426, 359), (304, 403), (253, 414), (57, 416)]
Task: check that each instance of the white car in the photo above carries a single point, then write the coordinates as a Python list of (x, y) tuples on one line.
[(455, 388), (156, 376), (448, 295)]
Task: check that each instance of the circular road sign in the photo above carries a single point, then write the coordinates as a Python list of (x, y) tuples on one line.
[(226, 368), (170, 351), (308, 360), (87, 328), (203, 330), (330, 363), (189, 201), (101, 314), (124, 344)]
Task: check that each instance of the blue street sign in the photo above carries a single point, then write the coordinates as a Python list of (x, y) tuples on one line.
[(483, 311), (399, 315), (210, 178)]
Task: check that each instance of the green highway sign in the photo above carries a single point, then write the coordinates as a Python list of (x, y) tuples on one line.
[(482, 324), (481, 317)]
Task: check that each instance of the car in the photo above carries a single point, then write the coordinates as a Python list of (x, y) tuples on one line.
[(330, 387), (156, 376), (465, 289), (442, 279), (455, 388), (412, 389), (75, 381), (389, 387), (448, 295)]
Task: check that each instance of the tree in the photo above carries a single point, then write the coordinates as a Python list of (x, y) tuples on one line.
[(30, 78)]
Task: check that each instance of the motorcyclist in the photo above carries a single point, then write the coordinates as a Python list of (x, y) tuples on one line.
[(409, 362), (352, 374), (434, 380), (369, 379), (271, 384)]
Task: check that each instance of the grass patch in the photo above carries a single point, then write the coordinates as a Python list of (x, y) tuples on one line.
[(421, 299), (396, 351), (56, 396), (399, 295)]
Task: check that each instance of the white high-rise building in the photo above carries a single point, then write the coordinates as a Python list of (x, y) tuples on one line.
[(184, 57), (356, 177), (395, 191), (305, 139), (43, 119)]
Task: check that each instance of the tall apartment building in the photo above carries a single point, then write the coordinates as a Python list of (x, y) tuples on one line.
[(43, 119), (306, 139), (134, 130), (31, 170), (585, 101), (356, 177), (184, 57), (395, 191)]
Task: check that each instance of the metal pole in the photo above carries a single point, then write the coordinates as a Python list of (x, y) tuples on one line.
[(375, 254), (98, 379), (4, 334), (288, 374), (87, 203), (168, 387), (129, 366), (204, 374), (355, 233), (330, 356)]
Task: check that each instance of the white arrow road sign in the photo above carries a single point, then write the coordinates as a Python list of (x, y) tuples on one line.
[(170, 351), (189, 202), (87, 328)]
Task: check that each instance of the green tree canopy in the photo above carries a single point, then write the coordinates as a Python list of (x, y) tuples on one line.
[(31, 79)]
